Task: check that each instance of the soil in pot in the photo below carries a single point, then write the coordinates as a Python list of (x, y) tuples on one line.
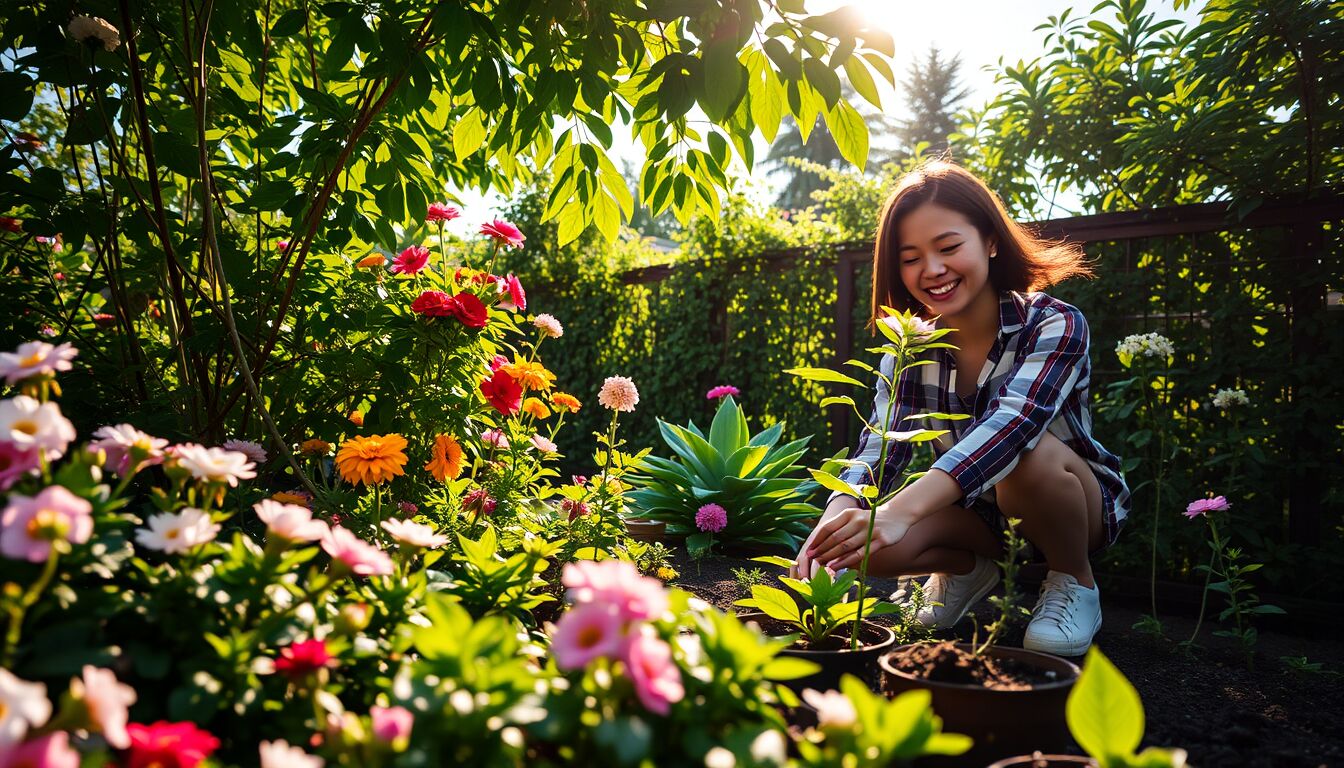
[(833, 655), (949, 662)]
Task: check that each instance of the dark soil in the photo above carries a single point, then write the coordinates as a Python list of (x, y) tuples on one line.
[(836, 642), (1208, 701), (945, 662)]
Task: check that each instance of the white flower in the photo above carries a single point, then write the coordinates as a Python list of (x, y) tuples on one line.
[(544, 444), (769, 748), (911, 327), (289, 521), (550, 326), (901, 437), (22, 704), (84, 28), (253, 451), (414, 534), (279, 754), (29, 424), (33, 358), (718, 757), (106, 701), (214, 465), (1145, 345), (176, 533), (1226, 399), (833, 708)]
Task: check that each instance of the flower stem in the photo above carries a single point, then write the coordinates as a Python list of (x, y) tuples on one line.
[(16, 612), (872, 507)]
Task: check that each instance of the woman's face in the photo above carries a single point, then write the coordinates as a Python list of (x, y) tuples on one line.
[(939, 249)]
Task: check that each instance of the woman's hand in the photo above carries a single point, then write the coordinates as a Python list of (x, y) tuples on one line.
[(838, 542)]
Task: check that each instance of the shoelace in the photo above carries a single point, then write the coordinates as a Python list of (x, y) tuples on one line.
[(1055, 604)]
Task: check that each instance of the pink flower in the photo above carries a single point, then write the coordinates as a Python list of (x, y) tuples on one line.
[(586, 632), (496, 438), (649, 665), (169, 745), (411, 261), (549, 326), (725, 390), (617, 583), (503, 233), (106, 701), (282, 245), (618, 393), (912, 326), (253, 451), (1203, 507), (29, 526), (478, 502), (36, 358), (279, 754), (298, 660), (128, 450), (517, 297), (16, 463), (407, 508), (391, 724), (289, 522), (441, 212), (50, 751), (497, 361), (544, 444), (574, 509), (355, 555), (711, 518), (414, 534)]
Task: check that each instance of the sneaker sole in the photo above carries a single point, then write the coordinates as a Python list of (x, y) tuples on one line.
[(978, 595), (1062, 649)]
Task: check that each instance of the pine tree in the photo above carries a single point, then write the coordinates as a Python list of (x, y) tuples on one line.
[(932, 93)]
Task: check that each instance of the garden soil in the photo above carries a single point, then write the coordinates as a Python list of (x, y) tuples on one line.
[(1209, 702)]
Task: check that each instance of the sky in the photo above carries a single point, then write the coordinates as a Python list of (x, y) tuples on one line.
[(981, 32)]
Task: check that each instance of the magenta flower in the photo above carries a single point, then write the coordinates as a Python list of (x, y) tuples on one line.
[(441, 212), (650, 667), (30, 525), (50, 751), (289, 522), (479, 502), (407, 507), (517, 297), (503, 233), (616, 583), (16, 463), (354, 555), (1202, 507), (391, 724), (711, 518), (411, 261), (584, 633), (252, 450), (573, 508), (724, 390), (496, 438)]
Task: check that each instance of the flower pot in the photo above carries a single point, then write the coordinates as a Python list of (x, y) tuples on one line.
[(1002, 722), (1038, 760), (646, 530), (875, 640)]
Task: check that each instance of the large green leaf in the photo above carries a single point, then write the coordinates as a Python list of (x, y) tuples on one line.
[(728, 432), (1104, 711)]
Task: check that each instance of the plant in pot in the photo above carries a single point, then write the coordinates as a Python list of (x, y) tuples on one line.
[(824, 624), (1009, 700), (857, 728), (756, 483), (1105, 716)]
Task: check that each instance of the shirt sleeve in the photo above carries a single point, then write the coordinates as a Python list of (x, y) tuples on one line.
[(870, 445), (1044, 373)]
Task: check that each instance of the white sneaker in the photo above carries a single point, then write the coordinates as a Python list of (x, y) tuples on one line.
[(1066, 617), (952, 595)]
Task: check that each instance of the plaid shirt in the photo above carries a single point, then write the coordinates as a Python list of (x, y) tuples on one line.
[(1035, 379)]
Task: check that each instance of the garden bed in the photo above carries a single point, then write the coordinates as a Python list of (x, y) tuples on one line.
[(1210, 704)]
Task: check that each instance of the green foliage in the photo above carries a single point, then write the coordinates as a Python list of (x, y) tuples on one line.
[(1009, 604), (825, 603), (889, 731), (1106, 719), (752, 477), (486, 582)]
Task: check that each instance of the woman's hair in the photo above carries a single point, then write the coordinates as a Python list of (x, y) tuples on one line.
[(1023, 262)]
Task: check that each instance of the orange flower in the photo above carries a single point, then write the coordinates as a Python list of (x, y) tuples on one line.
[(568, 402), (534, 407), (373, 459), (314, 447), (356, 418), (447, 461), (372, 261), (293, 497), (530, 375)]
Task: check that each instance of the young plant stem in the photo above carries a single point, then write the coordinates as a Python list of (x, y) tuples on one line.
[(606, 464), (872, 507)]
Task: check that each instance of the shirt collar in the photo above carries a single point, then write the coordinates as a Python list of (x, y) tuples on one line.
[(1012, 312)]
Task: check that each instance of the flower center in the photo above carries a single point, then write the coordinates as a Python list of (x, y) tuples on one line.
[(590, 636), (31, 360), (26, 427)]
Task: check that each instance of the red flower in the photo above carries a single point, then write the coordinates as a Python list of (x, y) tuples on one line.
[(282, 245), (301, 659), (503, 232), (505, 394), (168, 745), (517, 298), (11, 224), (104, 320), (479, 502), (497, 361), (411, 261), (434, 304), (469, 309), (441, 212)]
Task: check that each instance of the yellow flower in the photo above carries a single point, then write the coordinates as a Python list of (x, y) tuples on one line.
[(372, 261), (315, 447), (373, 459), (568, 402), (536, 408), (530, 376), (667, 573), (447, 461), (356, 418), (291, 497)]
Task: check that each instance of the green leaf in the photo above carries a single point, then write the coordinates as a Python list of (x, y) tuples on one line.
[(775, 603), (938, 415), (837, 400), (289, 23), (862, 80), (823, 374), (782, 562), (849, 132), (468, 135), (824, 79), (788, 668), (831, 482), (724, 79), (1104, 711)]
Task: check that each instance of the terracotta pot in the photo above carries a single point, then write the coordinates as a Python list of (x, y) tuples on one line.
[(862, 663), (646, 530), (1037, 760), (1002, 723)]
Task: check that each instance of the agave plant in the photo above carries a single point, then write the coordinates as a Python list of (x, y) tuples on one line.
[(759, 484)]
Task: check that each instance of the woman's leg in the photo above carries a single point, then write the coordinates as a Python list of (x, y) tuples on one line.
[(944, 542), (1055, 494)]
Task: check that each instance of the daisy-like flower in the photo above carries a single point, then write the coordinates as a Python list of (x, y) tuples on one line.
[(911, 327), (536, 408), (106, 703), (618, 394), (176, 533), (1227, 399), (279, 754), (544, 444), (32, 425), (351, 554), (446, 461), (566, 401), (372, 261), (214, 465), (36, 358), (441, 212), (834, 709), (315, 447), (721, 391), (1202, 507), (530, 376), (92, 29), (290, 522), (128, 450), (503, 233), (411, 261), (414, 534), (30, 526), (253, 451), (22, 704), (549, 326), (711, 518), (496, 438), (373, 459)]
